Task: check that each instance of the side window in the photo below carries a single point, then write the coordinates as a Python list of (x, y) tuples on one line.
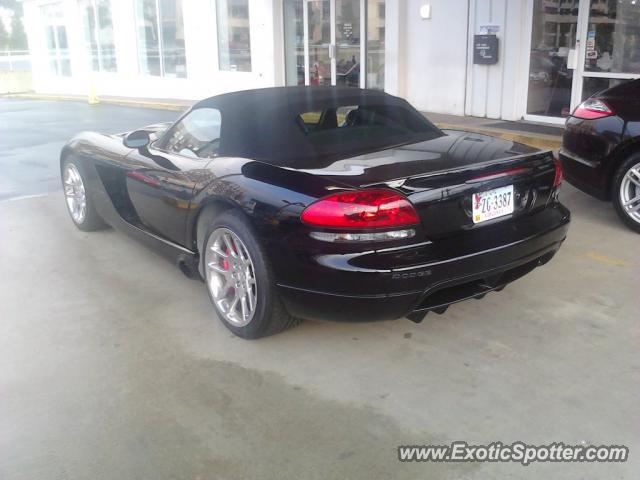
[(309, 120), (349, 117), (343, 113), (196, 135), (328, 119)]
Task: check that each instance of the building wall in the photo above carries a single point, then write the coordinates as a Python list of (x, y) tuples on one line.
[(497, 91), (434, 66), (427, 61), (435, 55), (204, 77)]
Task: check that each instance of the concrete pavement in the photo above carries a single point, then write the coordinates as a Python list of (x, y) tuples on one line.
[(113, 365), (539, 136), (32, 132)]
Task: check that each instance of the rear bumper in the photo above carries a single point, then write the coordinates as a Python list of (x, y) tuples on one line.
[(587, 153), (445, 274), (588, 176)]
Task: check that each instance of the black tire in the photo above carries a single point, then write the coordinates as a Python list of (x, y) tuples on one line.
[(270, 316), (618, 178), (91, 221)]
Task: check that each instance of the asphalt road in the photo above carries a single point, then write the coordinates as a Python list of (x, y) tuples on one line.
[(32, 132), (113, 365)]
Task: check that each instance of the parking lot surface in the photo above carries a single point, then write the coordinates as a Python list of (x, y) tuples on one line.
[(114, 365), (32, 132)]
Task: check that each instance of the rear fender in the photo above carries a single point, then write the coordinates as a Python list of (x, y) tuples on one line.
[(619, 155)]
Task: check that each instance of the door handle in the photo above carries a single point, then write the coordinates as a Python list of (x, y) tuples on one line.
[(572, 59), (332, 51)]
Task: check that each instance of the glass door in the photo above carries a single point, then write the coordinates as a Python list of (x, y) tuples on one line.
[(347, 42), (578, 48), (554, 44), (610, 53), (332, 42), (320, 44), (294, 42)]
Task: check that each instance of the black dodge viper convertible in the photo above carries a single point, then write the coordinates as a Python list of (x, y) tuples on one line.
[(322, 203)]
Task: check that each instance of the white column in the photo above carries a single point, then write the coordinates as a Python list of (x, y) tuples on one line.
[(394, 68)]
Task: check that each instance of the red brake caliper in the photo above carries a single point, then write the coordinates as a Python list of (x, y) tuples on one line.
[(225, 262)]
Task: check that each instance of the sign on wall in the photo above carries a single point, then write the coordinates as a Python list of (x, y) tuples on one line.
[(485, 49), (489, 29)]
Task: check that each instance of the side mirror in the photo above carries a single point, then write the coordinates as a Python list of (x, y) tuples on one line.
[(137, 139)]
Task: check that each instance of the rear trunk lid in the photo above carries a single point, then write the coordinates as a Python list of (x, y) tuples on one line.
[(443, 177)]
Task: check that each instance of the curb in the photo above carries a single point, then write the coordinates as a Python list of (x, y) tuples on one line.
[(105, 100)]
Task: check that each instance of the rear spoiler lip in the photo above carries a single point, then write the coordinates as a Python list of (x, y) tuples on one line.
[(504, 173), (488, 163)]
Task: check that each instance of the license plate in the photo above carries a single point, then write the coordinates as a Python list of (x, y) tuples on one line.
[(492, 204)]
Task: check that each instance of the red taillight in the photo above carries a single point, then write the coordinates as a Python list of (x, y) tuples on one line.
[(593, 108), (559, 177), (375, 208)]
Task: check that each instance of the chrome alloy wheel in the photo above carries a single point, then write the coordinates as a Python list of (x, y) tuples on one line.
[(231, 277), (74, 193), (630, 193)]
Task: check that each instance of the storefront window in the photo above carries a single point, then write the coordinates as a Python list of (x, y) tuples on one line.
[(161, 48), (234, 37), (148, 38), (375, 43), (553, 36), (293, 42), (98, 28), (613, 36), (56, 38)]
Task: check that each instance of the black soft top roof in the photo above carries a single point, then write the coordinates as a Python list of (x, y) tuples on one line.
[(263, 124), (297, 95)]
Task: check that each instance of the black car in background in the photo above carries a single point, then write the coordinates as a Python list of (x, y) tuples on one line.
[(600, 151), (322, 203)]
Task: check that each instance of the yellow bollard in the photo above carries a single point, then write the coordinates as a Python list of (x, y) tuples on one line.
[(93, 96)]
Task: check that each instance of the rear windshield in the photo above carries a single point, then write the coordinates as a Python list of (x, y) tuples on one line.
[(359, 123), (353, 129)]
